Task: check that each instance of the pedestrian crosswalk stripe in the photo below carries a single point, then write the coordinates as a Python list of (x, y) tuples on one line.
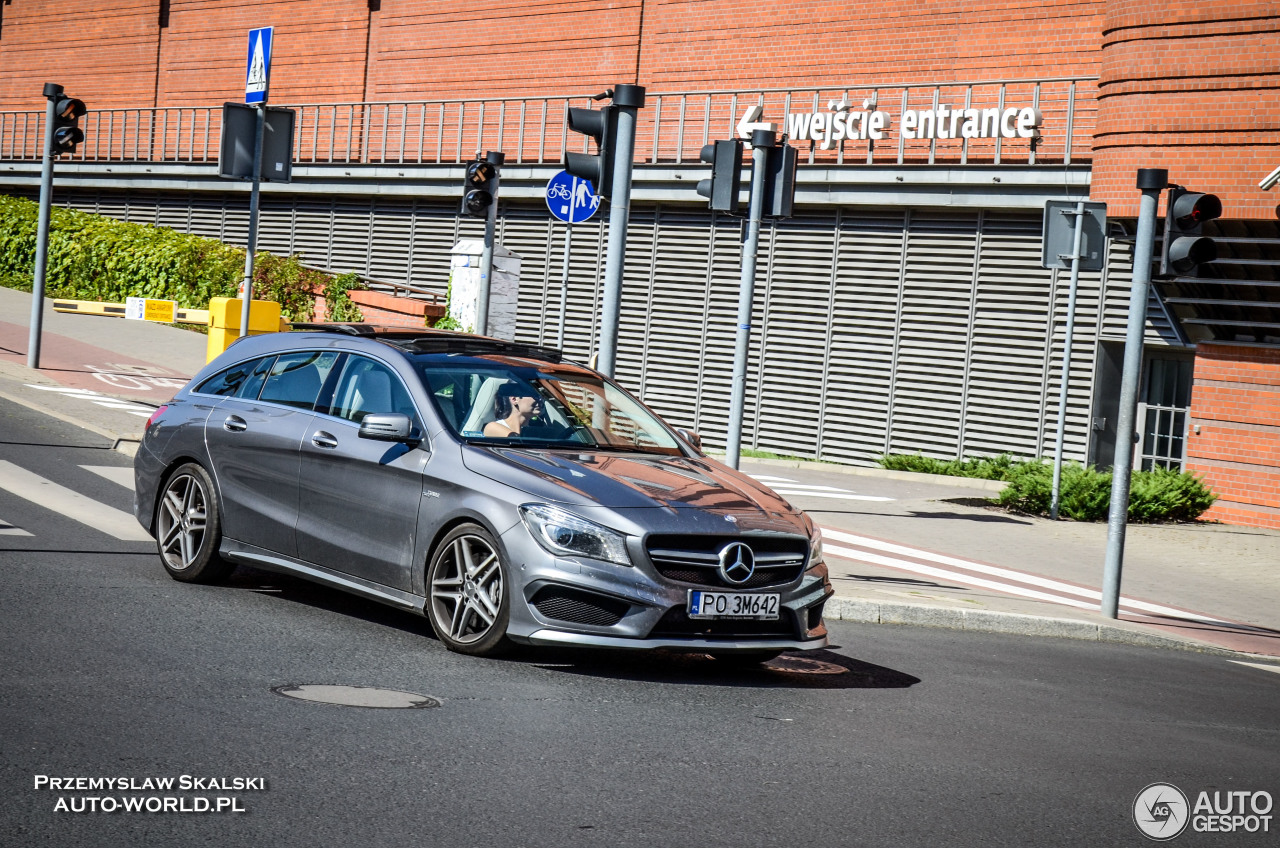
[(1263, 666), (787, 486), (7, 529), (87, 394), (121, 474), (32, 487)]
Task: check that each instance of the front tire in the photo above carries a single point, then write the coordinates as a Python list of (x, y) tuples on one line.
[(468, 600), (189, 529)]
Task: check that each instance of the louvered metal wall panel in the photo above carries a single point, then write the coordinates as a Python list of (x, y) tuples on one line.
[(276, 225), (873, 330), (864, 330), (714, 313), (795, 316), (390, 237), (350, 238), (435, 231), (928, 385), (672, 337), (526, 232), (1008, 352)]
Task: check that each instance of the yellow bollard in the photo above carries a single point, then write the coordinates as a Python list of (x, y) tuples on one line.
[(224, 322)]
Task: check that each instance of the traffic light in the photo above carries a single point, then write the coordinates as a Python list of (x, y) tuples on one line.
[(66, 117), (725, 159), (478, 188), (1184, 248), (780, 181), (597, 168)]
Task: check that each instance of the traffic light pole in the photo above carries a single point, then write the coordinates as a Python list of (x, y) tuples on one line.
[(251, 244), (627, 99), (762, 141), (51, 91), (564, 282), (1151, 181), (486, 254)]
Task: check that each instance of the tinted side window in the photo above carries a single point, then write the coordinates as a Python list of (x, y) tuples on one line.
[(296, 378), (237, 379), (368, 386)]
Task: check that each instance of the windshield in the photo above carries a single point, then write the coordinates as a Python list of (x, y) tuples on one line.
[(508, 401)]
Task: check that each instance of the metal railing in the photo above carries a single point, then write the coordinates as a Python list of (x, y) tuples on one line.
[(672, 128)]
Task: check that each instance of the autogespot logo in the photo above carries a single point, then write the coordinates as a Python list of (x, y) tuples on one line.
[(1160, 811)]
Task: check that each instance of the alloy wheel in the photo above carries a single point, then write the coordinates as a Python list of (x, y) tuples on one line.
[(466, 589)]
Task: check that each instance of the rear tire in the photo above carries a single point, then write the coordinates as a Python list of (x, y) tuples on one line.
[(468, 599), (188, 527)]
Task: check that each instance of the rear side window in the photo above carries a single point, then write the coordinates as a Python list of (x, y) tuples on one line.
[(296, 378), (367, 386), (241, 380)]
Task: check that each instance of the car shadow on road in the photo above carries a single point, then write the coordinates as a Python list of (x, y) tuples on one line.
[(822, 669)]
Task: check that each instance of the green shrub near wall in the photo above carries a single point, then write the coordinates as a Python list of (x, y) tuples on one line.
[(1084, 493), (94, 257)]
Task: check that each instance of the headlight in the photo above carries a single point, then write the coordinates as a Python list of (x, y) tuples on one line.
[(568, 535), (815, 548)]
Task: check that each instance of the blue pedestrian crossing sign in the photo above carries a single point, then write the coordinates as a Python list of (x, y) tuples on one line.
[(570, 198), (258, 72)]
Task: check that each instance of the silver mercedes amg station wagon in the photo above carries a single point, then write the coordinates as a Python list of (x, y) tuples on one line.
[(503, 492)]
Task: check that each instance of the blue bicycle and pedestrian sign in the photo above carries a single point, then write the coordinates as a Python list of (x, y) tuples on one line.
[(571, 199)]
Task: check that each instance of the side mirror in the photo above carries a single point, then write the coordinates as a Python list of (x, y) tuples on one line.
[(387, 427), (690, 436)]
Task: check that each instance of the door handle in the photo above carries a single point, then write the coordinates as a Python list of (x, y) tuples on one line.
[(321, 439), (235, 424)]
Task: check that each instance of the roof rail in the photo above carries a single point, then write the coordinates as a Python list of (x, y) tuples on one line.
[(434, 341)]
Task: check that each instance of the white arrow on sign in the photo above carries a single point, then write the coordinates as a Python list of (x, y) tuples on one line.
[(751, 121)]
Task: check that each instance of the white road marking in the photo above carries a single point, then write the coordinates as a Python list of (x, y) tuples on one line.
[(63, 390), (32, 487), (7, 529), (115, 473), (111, 403), (1263, 666), (787, 486), (1053, 586)]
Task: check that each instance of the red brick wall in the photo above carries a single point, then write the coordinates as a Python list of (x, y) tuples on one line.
[(1192, 87), (318, 52), (102, 51), (694, 44), (502, 48), (1235, 403)]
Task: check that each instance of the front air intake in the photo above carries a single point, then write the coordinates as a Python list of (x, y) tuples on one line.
[(578, 607)]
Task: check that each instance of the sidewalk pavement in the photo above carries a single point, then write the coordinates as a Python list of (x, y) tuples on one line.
[(929, 551)]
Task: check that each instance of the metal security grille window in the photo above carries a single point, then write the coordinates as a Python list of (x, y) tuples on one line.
[(1162, 417)]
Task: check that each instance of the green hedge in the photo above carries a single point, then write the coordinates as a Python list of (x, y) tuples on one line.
[(94, 257), (1084, 493)]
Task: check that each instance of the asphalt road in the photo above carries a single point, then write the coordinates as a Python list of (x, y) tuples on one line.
[(899, 736)]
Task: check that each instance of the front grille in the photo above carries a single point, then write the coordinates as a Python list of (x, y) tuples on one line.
[(577, 607), (696, 559), (676, 623)]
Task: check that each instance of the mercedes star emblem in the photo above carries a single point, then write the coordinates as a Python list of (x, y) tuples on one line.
[(737, 563)]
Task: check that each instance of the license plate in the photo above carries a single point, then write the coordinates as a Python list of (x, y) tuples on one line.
[(732, 605)]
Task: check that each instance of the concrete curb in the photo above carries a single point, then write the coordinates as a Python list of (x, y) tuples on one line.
[(987, 621), (882, 473)]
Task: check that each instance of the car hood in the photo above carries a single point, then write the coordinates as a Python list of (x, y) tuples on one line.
[(622, 480)]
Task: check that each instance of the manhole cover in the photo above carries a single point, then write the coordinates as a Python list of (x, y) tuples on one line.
[(800, 665), (357, 696)]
